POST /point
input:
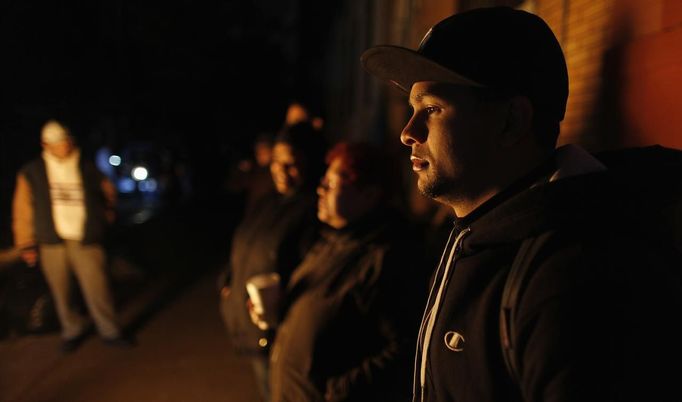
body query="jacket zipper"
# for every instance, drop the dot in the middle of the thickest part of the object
(430, 314)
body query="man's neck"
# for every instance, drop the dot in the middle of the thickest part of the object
(463, 207)
(49, 157)
(512, 184)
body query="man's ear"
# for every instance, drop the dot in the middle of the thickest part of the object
(519, 121)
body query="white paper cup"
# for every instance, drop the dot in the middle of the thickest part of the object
(264, 292)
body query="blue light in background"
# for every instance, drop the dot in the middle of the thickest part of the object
(126, 185)
(115, 160)
(147, 186)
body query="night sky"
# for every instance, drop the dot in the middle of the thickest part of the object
(202, 78)
(178, 65)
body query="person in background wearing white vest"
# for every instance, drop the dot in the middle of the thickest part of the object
(61, 209)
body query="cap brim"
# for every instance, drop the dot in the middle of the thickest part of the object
(403, 67)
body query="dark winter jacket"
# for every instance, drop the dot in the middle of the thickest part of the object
(349, 327)
(273, 237)
(597, 314)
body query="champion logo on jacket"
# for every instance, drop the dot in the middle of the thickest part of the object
(454, 341)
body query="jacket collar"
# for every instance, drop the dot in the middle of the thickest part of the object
(567, 189)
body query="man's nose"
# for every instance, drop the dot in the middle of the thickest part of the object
(413, 133)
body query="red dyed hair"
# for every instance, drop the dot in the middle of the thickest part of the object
(364, 164)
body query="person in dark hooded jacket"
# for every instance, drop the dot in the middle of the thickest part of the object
(546, 291)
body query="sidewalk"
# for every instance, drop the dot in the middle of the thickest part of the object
(182, 355)
(163, 279)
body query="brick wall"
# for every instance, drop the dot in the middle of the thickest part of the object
(625, 64)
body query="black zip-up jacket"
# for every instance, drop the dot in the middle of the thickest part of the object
(273, 237)
(597, 316)
(353, 305)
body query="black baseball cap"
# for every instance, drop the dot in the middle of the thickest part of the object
(500, 48)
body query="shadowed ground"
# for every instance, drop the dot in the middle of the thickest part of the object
(163, 274)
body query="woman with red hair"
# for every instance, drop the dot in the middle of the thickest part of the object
(349, 316)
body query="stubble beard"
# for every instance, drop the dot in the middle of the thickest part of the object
(433, 186)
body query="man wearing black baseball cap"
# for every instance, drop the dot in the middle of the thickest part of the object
(537, 296)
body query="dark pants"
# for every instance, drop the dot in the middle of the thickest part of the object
(261, 370)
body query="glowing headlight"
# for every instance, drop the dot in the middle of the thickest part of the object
(140, 173)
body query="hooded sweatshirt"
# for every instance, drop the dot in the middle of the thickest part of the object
(596, 315)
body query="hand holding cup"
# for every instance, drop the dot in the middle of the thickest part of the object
(263, 302)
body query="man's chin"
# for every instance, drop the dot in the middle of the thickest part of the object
(430, 189)
(425, 188)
